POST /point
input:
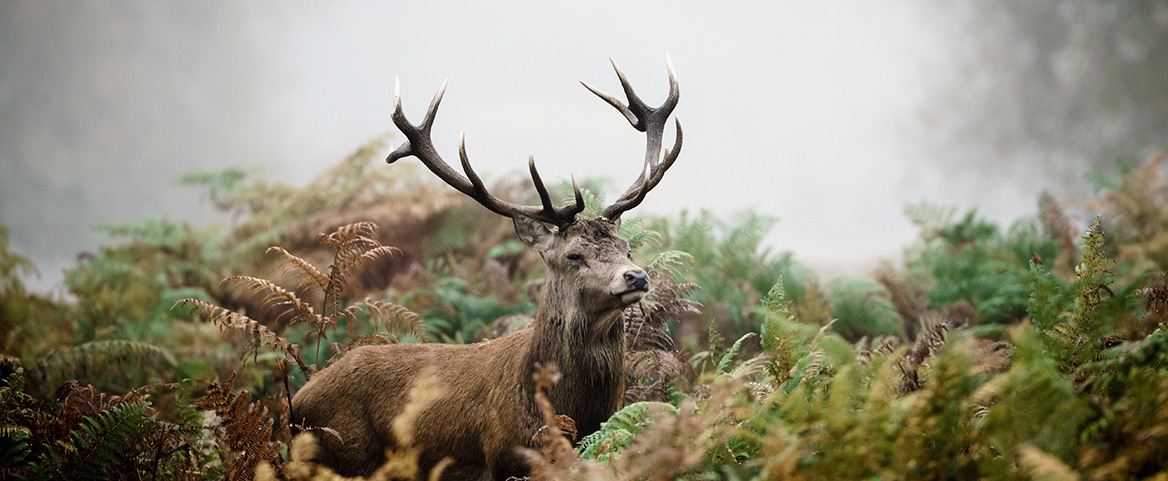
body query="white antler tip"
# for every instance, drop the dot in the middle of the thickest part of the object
(396, 91)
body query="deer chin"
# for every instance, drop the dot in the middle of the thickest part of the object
(633, 295)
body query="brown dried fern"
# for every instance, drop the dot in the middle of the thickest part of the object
(652, 362)
(244, 427)
(396, 319)
(229, 319)
(275, 297)
(308, 273)
(929, 342)
(353, 244)
(555, 455)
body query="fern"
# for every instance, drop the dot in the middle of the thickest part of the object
(1080, 336)
(618, 431)
(84, 358)
(308, 273)
(864, 308)
(777, 343)
(97, 446)
(1033, 403)
(776, 299)
(1047, 302)
(938, 409)
(930, 218)
(15, 451)
(632, 231)
(397, 320)
(729, 261)
(929, 342)
(724, 364)
(593, 198)
(352, 244)
(1104, 181)
(245, 428)
(673, 261)
(228, 319)
(1118, 363)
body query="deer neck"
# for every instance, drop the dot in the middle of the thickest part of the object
(589, 351)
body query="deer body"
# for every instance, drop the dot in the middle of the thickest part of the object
(487, 411)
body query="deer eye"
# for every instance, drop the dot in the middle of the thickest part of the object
(575, 257)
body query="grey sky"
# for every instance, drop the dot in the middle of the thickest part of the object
(807, 111)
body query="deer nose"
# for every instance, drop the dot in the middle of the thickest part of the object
(637, 279)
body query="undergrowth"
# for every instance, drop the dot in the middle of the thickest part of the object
(1033, 351)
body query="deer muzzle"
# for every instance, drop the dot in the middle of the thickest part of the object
(636, 285)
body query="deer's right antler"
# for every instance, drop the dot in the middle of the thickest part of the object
(419, 144)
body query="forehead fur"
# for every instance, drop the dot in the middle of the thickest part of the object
(595, 232)
(591, 228)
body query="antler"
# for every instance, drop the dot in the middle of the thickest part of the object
(650, 120)
(419, 144)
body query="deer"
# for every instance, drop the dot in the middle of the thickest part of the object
(487, 412)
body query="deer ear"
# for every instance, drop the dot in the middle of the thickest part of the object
(532, 233)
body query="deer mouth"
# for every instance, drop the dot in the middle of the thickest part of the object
(632, 295)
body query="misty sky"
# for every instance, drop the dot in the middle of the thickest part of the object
(807, 111)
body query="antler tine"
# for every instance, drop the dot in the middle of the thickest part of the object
(565, 215)
(419, 144)
(620, 106)
(540, 188)
(649, 179)
(650, 120)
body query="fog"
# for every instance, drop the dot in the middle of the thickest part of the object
(827, 115)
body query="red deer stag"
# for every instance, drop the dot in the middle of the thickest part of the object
(488, 409)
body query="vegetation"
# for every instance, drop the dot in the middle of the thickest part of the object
(1033, 351)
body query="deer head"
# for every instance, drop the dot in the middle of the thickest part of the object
(584, 256)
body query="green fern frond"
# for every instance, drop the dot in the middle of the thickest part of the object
(629, 227)
(593, 200)
(82, 357)
(97, 445)
(725, 364)
(930, 218)
(1120, 361)
(776, 299)
(673, 261)
(1081, 337)
(1047, 304)
(618, 431)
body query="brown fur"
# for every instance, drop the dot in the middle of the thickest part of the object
(488, 410)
